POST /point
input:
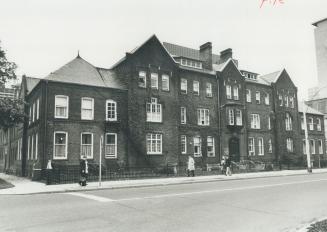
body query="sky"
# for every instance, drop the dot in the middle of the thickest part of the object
(42, 35)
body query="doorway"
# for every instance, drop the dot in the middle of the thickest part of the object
(234, 149)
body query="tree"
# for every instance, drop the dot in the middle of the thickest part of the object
(11, 110)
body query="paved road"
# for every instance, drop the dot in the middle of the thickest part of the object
(265, 204)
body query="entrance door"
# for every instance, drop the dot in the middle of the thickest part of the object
(234, 149)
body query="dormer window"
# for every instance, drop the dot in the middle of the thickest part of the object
(191, 63)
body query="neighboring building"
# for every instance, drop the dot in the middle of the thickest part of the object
(157, 105)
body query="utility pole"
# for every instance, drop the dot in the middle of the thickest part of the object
(307, 148)
(100, 160)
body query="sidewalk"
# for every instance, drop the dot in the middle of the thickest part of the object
(26, 186)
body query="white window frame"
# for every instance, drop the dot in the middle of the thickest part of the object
(33, 117)
(229, 92)
(292, 102)
(212, 153)
(208, 89)
(115, 112)
(318, 124)
(286, 101)
(92, 144)
(251, 146)
(183, 144)
(290, 145)
(267, 99)
(255, 121)
(312, 146)
(238, 117)
(153, 140)
(197, 144)
(32, 147)
(54, 145)
(153, 111)
(37, 108)
(92, 115)
(248, 95)
(320, 147)
(269, 123)
(28, 147)
(280, 98)
(67, 106)
(183, 86)
(261, 147)
(36, 155)
(203, 117)
(311, 127)
(231, 117)
(154, 80)
(142, 76)
(183, 115)
(288, 122)
(165, 79)
(30, 115)
(196, 88)
(114, 156)
(270, 148)
(257, 97)
(236, 93)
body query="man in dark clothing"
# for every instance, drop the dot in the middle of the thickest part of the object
(83, 171)
(228, 166)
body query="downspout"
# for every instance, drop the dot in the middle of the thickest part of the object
(219, 118)
(45, 120)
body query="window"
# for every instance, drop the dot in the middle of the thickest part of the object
(235, 93)
(165, 82)
(231, 117)
(183, 86)
(280, 99)
(229, 92)
(286, 101)
(111, 146)
(255, 121)
(210, 146)
(61, 106)
(302, 123)
(292, 102)
(196, 87)
(154, 80)
(183, 144)
(34, 112)
(60, 145)
(269, 146)
(238, 117)
(304, 147)
(288, 122)
(248, 95)
(87, 145)
(203, 117)
(111, 111)
(183, 115)
(320, 147)
(197, 146)
(32, 148)
(191, 63)
(257, 97)
(310, 123)
(37, 109)
(251, 147)
(260, 147)
(153, 111)
(28, 147)
(36, 146)
(289, 145)
(318, 124)
(312, 146)
(154, 144)
(87, 106)
(208, 89)
(30, 116)
(18, 149)
(142, 79)
(269, 123)
(267, 100)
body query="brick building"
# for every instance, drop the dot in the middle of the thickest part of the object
(157, 105)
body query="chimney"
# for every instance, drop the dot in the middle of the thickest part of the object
(225, 55)
(206, 55)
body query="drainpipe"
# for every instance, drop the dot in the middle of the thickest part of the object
(45, 120)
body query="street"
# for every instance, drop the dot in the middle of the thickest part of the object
(262, 204)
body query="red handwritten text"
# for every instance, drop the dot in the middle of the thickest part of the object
(271, 2)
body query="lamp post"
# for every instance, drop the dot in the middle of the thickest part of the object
(307, 148)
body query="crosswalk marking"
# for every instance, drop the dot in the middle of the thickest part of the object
(91, 197)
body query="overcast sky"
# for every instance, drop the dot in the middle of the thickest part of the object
(40, 35)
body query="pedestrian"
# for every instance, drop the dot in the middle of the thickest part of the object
(49, 172)
(228, 166)
(190, 166)
(223, 165)
(84, 170)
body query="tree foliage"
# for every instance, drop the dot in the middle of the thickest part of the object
(7, 69)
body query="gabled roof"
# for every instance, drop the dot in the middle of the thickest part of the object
(308, 109)
(31, 82)
(271, 77)
(181, 51)
(79, 71)
(319, 21)
(222, 66)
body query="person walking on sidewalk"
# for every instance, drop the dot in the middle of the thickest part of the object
(49, 172)
(190, 166)
(84, 170)
(228, 166)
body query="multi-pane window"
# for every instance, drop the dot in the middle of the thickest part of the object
(228, 92)
(255, 121)
(257, 97)
(183, 86)
(269, 123)
(154, 143)
(267, 100)
(320, 150)
(33, 112)
(61, 106)
(196, 87)
(302, 123)
(280, 99)
(142, 79)
(248, 95)
(304, 146)
(238, 116)
(30, 115)
(210, 146)
(310, 123)
(231, 118)
(318, 124)
(183, 115)
(312, 146)
(165, 82)
(87, 111)
(60, 145)
(251, 147)
(269, 146)
(286, 101)
(208, 89)
(292, 102)
(288, 122)
(154, 80)
(111, 110)
(37, 109)
(289, 144)
(260, 147)
(183, 144)
(87, 145)
(235, 92)
(197, 146)
(203, 117)
(153, 111)
(111, 146)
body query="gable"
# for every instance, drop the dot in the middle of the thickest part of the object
(285, 80)
(230, 71)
